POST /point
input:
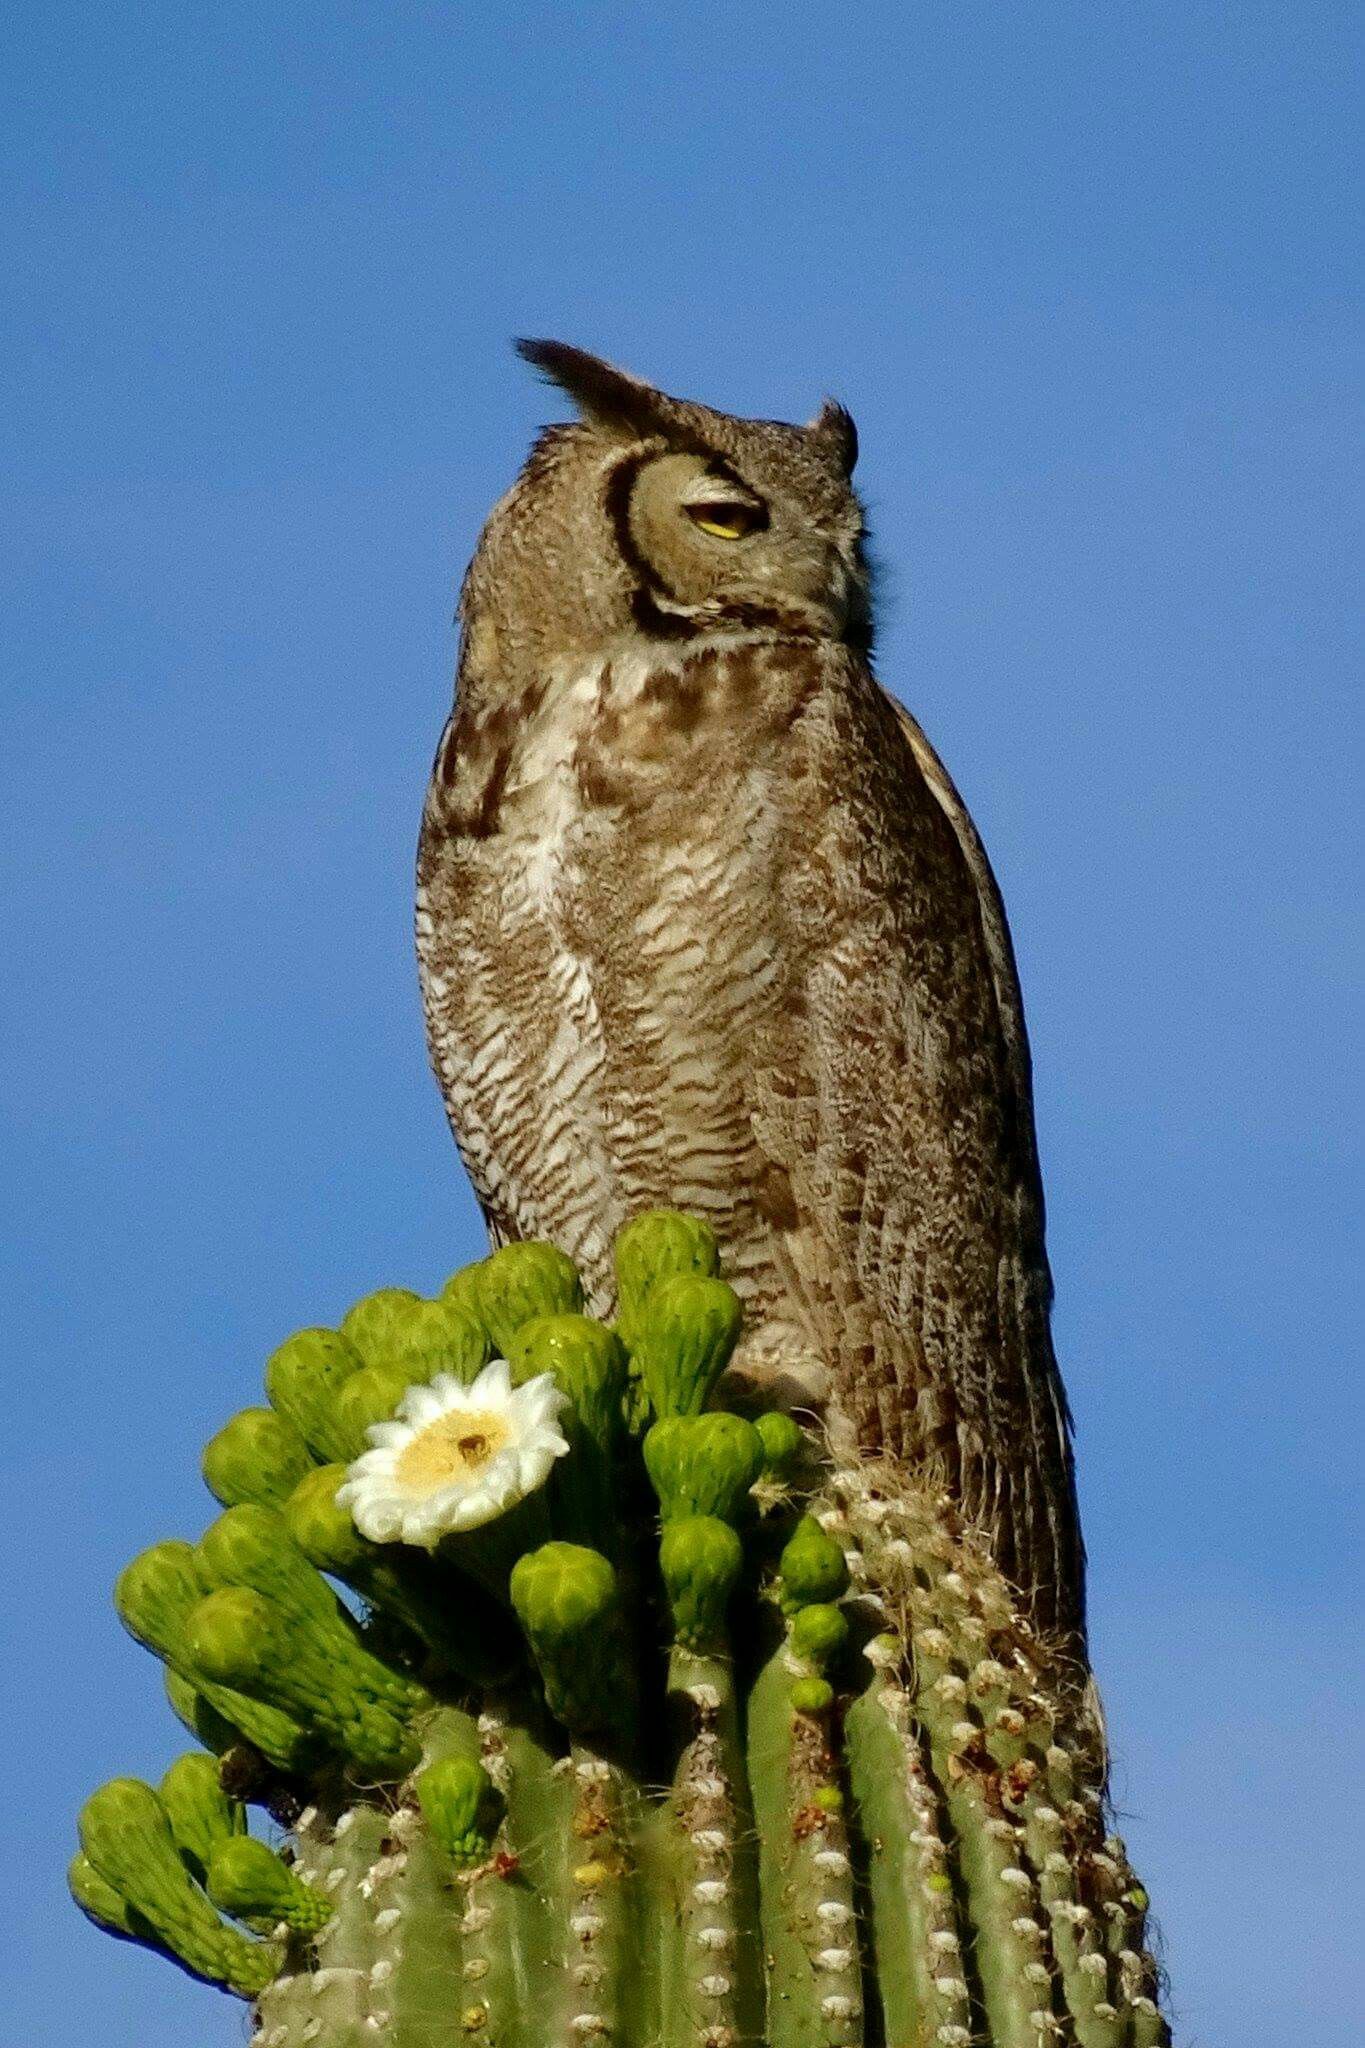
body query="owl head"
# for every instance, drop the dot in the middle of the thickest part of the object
(658, 516)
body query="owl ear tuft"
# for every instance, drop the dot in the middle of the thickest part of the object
(834, 434)
(604, 395)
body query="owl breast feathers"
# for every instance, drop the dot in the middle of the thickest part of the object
(703, 923)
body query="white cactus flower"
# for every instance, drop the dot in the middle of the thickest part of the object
(455, 1456)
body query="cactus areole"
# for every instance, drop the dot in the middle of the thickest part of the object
(587, 1711)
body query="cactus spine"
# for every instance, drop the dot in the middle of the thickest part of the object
(686, 1735)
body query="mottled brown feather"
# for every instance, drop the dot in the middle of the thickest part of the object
(703, 922)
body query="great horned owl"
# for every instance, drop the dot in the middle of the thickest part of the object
(704, 924)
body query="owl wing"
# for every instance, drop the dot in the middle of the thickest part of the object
(910, 1143)
(1041, 1487)
(995, 936)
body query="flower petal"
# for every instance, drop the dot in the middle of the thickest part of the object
(493, 1386)
(389, 1510)
(419, 1406)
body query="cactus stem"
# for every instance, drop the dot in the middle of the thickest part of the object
(492, 1970)
(597, 1897)
(916, 1935)
(721, 1997)
(332, 1999)
(415, 1978)
(506, 1899)
(494, 1986)
(1014, 1977)
(1075, 1935)
(805, 1873)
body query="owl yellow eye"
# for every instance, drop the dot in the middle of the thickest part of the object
(727, 518)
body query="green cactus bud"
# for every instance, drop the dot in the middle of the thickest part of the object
(586, 1358)
(376, 1324)
(248, 1880)
(395, 1329)
(257, 1456)
(370, 1396)
(195, 1714)
(330, 1684)
(461, 1290)
(127, 1837)
(523, 1281)
(812, 1568)
(567, 1600)
(108, 1908)
(154, 1597)
(443, 1336)
(703, 1464)
(303, 1379)
(154, 1593)
(782, 1438)
(222, 1626)
(812, 1695)
(688, 1328)
(462, 1809)
(828, 1799)
(325, 1533)
(588, 1361)
(198, 1809)
(373, 1394)
(819, 1634)
(654, 1247)
(252, 1546)
(700, 1558)
(398, 1341)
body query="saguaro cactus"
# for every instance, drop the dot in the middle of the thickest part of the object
(593, 1711)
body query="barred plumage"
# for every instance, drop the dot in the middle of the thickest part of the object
(702, 922)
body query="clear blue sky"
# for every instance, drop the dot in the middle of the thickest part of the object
(1080, 272)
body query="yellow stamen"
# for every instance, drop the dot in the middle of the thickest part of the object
(455, 1446)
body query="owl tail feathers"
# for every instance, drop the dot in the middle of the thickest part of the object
(745, 1723)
